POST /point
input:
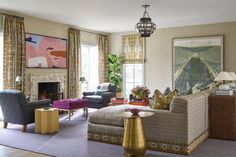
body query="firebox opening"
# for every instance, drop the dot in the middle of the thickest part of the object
(49, 90)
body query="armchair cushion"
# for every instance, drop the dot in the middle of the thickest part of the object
(39, 103)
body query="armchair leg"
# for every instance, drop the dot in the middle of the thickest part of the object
(24, 128)
(5, 125)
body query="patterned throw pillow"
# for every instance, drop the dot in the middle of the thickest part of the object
(161, 101)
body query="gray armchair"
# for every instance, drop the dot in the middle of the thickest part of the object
(16, 109)
(101, 97)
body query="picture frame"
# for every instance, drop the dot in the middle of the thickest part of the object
(45, 51)
(196, 61)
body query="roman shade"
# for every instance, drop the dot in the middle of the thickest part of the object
(132, 49)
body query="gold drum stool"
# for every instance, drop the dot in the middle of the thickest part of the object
(134, 141)
(46, 120)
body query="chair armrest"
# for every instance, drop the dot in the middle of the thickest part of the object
(88, 93)
(107, 95)
(39, 103)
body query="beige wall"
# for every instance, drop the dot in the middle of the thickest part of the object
(159, 50)
(54, 29)
(44, 27)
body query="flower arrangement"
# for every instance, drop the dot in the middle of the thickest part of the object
(140, 92)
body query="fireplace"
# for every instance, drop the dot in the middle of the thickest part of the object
(32, 83)
(49, 90)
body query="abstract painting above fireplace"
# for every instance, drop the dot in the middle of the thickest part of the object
(45, 51)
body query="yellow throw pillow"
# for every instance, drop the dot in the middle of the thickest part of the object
(161, 101)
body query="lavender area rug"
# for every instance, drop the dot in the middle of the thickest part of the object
(71, 141)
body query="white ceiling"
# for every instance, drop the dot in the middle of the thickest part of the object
(122, 15)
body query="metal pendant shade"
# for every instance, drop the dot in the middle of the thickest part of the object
(145, 26)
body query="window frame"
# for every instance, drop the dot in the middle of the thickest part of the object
(89, 47)
(124, 76)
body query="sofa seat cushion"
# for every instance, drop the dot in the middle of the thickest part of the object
(108, 115)
(94, 98)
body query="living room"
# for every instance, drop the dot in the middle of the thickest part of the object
(86, 33)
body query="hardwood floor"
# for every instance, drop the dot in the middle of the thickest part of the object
(14, 152)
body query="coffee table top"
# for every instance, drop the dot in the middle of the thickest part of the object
(131, 115)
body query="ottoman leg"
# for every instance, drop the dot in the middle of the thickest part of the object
(69, 115)
(5, 125)
(86, 112)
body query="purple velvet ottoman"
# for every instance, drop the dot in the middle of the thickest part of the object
(70, 105)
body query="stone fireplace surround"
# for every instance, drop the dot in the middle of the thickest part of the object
(35, 78)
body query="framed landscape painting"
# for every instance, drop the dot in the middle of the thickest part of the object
(45, 52)
(196, 62)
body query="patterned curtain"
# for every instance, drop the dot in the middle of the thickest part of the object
(73, 62)
(14, 52)
(132, 49)
(103, 58)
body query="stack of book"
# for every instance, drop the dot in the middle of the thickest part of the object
(234, 89)
(119, 101)
(225, 92)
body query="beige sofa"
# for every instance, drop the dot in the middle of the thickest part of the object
(179, 130)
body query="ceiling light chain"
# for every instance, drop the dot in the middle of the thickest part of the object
(145, 26)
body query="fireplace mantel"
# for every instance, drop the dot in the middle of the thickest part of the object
(34, 79)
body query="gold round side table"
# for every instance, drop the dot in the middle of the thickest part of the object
(134, 141)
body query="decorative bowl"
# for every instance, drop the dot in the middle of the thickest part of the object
(135, 111)
(46, 108)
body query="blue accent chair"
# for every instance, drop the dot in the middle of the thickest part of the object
(17, 109)
(99, 99)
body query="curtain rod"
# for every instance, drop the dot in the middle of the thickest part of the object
(92, 33)
(70, 27)
(11, 15)
(89, 32)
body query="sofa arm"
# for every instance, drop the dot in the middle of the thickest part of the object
(88, 93)
(39, 103)
(166, 126)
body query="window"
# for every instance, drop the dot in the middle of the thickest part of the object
(89, 69)
(133, 76)
(1, 60)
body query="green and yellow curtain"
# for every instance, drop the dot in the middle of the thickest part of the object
(14, 52)
(103, 51)
(73, 62)
(132, 49)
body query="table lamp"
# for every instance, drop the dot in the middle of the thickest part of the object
(233, 76)
(223, 76)
(82, 79)
(19, 80)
